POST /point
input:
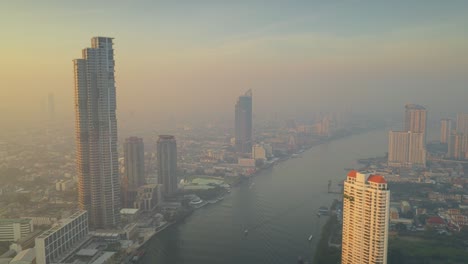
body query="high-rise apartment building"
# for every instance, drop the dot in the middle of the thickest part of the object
(445, 130)
(243, 123)
(96, 134)
(167, 164)
(458, 146)
(462, 123)
(366, 204)
(406, 149)
(416, 119)
(134, 170)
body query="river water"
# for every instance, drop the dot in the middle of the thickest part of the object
(279, 210)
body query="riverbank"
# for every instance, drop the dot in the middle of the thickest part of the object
(279, 212)
(326, 250)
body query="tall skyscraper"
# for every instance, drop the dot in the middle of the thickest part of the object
(167, 164)
(445, 130)
(462, 123)
(243, 123)
(366, 204)
(134, 173)
(406, 149)
(416, 119)
(96, 134)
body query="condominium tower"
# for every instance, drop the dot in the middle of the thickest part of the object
(462, 123)
(445, 130)
(167, 164)
(243, 123)
(366, 203)
(406, 149)
(96, 134)
(458, 146)
(415, 119)
(134, 170)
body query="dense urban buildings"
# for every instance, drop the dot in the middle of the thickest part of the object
(167, 164)
(445, 130)
(366, 202)
(416, 119)
(96, 134)
(243, 123)
(134, 170)
(406, 149)
(462, 123)
(60, 239)
(15, 229)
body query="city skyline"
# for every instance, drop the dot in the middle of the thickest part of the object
(227, 179)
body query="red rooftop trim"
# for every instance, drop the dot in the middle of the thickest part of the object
(352, 174)
(376, 179)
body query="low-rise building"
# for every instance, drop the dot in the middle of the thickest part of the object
(64, 185)
(258, 152)
(129, 215)
(394, 215)
(14, 229)
(149, 196)
(405, 207)
(60, 239)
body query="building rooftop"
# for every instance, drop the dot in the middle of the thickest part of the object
(5, 221)
(103, 258)
(61, 223)
(376, 179)
(166, 137)
(352, 174)
(129, 211)
(25, 256)
(87, 252)
(415, 106)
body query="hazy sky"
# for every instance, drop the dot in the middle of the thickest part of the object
(192, 58)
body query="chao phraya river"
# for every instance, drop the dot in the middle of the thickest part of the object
(279, 210)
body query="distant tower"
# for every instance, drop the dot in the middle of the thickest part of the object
(167, 164)
(366, 204)
(416, 119)
(462, 123)
(51, 106)
(406, 149)
(96, 135)
(445, 130)
(243, 123)
(458, 146)
(134, 174)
